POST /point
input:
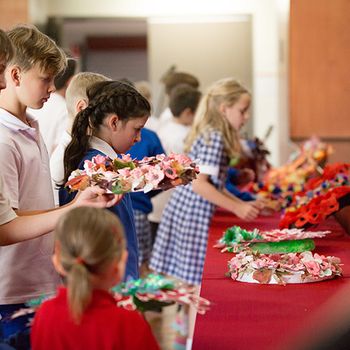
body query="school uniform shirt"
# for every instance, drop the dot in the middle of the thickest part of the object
(7, 214)
(123, 209)
(26, 268)
(52, 119)
(181, 241)
(57, 164)
(103, 326)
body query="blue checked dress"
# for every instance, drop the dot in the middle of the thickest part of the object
(181, 241)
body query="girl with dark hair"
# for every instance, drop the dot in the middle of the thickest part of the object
(108, 126)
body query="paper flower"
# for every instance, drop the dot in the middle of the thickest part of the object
(236, 239)
(283, 268)
(123, 174)
(151, 293)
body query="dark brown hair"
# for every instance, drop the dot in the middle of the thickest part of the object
(105, 98)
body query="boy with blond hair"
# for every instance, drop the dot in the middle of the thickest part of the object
(26, 270)
(76, 100)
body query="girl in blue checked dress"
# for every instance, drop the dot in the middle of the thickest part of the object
(181, 241)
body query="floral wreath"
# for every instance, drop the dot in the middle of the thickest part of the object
(282, 269)
(150, 293)
(121, 175)
(321, 197)
(236, 239)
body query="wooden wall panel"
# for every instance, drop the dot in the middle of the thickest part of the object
(13, 12)
(320, 69)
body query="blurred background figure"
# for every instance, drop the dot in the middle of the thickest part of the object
(144, 88)
(171, 80)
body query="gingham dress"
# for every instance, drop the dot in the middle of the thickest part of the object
(144, 236)
(181, 241)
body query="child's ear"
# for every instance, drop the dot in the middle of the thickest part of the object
(120, 265)
(81, 105)
(222, 109)
(15, 74)
(56, 261)
(113, 122)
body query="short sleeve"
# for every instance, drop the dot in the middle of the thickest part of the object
(208, 153)
(9, 172)
(6, 212)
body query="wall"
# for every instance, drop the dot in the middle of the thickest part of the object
(319, 73)
(13, 12)
(211, 48)
(268, 46)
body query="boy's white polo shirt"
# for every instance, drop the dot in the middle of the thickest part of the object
(6, 212)
(26, 269)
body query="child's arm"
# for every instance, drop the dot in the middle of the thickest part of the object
(244, 210)
(30, 225)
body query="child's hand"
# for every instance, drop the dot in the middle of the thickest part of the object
(245, 176)
(97, 197)
(247, 210)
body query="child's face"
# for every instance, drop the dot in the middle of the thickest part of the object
(2, 73)
(127, 134)
(34, 86)
(237, 114)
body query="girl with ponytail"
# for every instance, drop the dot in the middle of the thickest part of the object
(109, 125)
(90, 254)
(181, 240)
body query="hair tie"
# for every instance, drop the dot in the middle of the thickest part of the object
(79, 260)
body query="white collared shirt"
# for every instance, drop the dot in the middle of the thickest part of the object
(103, 147)
(26, 269)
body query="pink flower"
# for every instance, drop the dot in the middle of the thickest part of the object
(99, 159)
(89, 167)
(312, 267)
(170, 173)
(154, 176)
(126, 157)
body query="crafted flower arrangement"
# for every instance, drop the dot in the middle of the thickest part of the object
(121, 175)
(282, 269)
(236, 239)
(156, 291)
(322, 196)
(150, 293)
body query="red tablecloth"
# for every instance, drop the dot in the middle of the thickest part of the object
(252, 316)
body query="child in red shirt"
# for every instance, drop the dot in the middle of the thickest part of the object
(90, 253)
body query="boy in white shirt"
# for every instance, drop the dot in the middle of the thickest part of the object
(26, 270)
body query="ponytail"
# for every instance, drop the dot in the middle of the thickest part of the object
(89, 240)
(79, 144)
(79, 289)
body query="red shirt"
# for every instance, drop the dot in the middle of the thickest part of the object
(104, 326)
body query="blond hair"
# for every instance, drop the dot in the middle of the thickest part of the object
(144, 88)
(6, 49)
(88, 240)
(33, 47)
(208, 116)
(77, 88)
